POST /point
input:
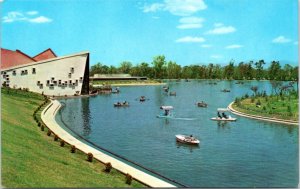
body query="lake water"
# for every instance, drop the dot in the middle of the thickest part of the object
(245, 153)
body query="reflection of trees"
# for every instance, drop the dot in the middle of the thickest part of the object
(85, 105)
(187, 146)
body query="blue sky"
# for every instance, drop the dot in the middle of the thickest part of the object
(185, 31)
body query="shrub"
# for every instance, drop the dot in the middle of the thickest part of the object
(252, 100)
(90, 157)
(42, 127)
(289, 110)
(108, 167)
(39, 124)
(62, 143)
(264, 108)
(258, 103)
(49, 132)
(246, 95)
(55, 137)
(73, 149)
(128, 179)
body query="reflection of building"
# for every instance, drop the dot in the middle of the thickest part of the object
(46, 73)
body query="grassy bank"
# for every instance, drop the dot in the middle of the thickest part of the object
(274, 106)
(32, 159)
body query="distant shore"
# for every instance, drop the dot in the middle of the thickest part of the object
(129, 84)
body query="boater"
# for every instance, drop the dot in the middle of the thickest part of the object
(219, 115)
(224, 115)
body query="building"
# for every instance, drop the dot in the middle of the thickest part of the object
(103, 77)
(46, 73)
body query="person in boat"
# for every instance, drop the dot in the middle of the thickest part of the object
(119, 103)
(224, 115)
(125, 102)
(219, 116)
(166, 112)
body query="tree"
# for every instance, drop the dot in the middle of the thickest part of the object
(274, 70)
(99, 69)
(229, 70)
(125, 67)
(159, 66)
(259, 69)
(254, 89)
(173, 70)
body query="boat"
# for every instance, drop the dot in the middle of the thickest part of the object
(116, 90)
(187, 139)
(225, 90)
(223, 117)
(167, 112)
(202, 104)
(121, 104)
(166, 88)
(142, 98)
(172, 93)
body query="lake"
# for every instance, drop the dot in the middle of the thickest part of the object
(245, 153)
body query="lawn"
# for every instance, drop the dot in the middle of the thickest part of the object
(275, 106)
(31, 159)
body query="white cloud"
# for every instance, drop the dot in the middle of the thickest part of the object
(177, 7)
(32, 12)
(218, 24)
(281, 39)
(153, 8)
(235, 46)
(40, 19)
(189, 39)
(206, 46)
(216, 56)
(15, 16)
(220, 29)
(189, 26)
(190, 22)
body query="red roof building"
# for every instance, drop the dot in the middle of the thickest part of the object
(45, 55)
(11, 58)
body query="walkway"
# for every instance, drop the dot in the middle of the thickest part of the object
(261, 117)
(48, 117)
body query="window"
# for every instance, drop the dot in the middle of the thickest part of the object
(59, 81)
(7, 78)
(14, 72)
(80, 78)
(66, 82)
(76, 81)
(33, 70)
(48, 82)
(51, 85)
(70, 81)
(38, 82)
(72, 69)
(70, 74)
(52, 78)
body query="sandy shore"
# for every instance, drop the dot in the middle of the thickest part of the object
(289, 122)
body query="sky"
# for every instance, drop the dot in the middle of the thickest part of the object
(185, 31)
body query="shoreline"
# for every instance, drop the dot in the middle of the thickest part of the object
(48, 117)
(129, 84)
(274, 120)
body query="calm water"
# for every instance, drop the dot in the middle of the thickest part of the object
(246, 153)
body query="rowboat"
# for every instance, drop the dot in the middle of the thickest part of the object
(187, 139)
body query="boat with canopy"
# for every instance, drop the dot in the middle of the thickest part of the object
(222, 115)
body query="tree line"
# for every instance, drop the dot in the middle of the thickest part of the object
(160, 68)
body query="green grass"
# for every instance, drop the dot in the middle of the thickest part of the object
(109, 82)
(32, 159)
(285, 107)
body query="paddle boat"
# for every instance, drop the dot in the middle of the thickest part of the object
(222, 116)
(172, 93)
(166, 88)
(121, 104)
(201, 104)
(225, 90)
(142, 98)
(187, 139)
(167, 112)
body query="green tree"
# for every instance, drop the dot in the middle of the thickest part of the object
(229, 70)
(125, 67)
(259, 69)
(274, 70)
(173, 70)
(159, 63)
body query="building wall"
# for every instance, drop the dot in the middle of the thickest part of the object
(50, 76)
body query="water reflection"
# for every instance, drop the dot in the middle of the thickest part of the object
(86, 115)
(191, 148)
(223, 125)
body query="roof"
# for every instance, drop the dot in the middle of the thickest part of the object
(166, 107)
(223, 110)
(14, 58)
(48, 53)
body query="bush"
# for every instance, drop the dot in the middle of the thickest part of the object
(264, 108)
(252, 100)
(289, 110)
(49, 133)
(55, 137)
(73, 149)
(39, 124)
(90, 157)
(246, 95)
(128, 179)
(258, 103)
(108, 167)
(62, 143)
(42, 127)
